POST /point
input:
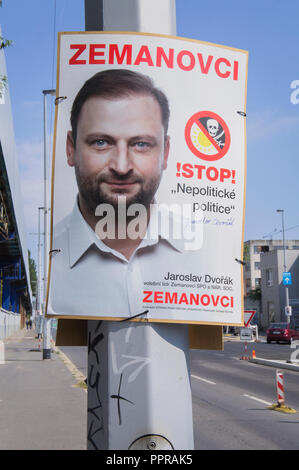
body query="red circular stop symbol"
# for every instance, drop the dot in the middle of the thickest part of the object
(207, 136)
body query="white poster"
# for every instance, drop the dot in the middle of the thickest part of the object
(148, 180)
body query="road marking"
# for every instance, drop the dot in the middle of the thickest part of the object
(257, 399)
(203, 380)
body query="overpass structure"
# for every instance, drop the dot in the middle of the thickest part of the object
(15, 291)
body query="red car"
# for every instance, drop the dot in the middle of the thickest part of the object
(281, 332)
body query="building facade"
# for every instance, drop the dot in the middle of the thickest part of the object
(252, 257)
(272, 289)
(15, 291)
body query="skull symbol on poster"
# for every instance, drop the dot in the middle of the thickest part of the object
(215, 131)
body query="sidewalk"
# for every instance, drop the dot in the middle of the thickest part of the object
(40, 406)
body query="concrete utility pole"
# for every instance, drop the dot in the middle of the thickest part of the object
(39, 280)
(46, 321)
(139, 393)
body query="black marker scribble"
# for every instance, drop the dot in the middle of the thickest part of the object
(98, 326)
(92, 411)
(119, 397)
(91, 434)
(96, 420)
(92, 344)
(95, 384)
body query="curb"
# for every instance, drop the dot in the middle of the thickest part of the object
(277, 364)
(72, 368)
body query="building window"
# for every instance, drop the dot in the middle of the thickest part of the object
(257, 265)
(257, 249)
(269, 277)
(258, 282)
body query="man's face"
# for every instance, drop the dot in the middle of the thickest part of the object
(121, 150)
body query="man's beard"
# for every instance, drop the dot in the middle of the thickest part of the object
(90, 189)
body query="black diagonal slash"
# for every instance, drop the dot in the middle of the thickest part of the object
(91, 433)
(119, 397)
(93, 412)
(92, 344)
(95, 384)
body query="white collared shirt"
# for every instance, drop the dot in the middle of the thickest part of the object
(89, 279)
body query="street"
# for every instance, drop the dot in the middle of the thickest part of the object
(231, 398)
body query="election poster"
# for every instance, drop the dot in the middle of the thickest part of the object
(148, 179)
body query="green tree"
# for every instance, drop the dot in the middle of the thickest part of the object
(255, 294)
(33, 274)
(246, 253)
(3, 43)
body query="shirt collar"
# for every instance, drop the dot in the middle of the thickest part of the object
(164, 225)
(81, 236)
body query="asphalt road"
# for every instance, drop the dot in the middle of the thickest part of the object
(231, 398)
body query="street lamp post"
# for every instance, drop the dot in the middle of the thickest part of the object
(284, 262)
(47, 322)
(39, 278)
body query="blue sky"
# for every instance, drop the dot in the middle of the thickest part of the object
(268, 29)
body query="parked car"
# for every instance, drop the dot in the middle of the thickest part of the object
(281, 332)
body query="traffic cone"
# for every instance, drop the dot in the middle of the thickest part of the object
(253, 354)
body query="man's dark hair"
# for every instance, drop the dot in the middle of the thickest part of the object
(116, 83)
